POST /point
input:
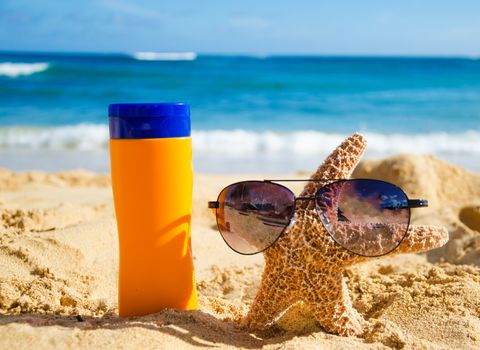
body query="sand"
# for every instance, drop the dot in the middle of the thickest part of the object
(58, 275)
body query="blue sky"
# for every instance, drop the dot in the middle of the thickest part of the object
(421, 27)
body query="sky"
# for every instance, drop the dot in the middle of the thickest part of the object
(340, 27)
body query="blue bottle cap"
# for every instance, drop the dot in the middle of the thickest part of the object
(148, 120)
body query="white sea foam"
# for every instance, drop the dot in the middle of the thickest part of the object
(14, 70)
(165, 56)
(310, 143)
(246, 143)
(77, 137)
(86, 146)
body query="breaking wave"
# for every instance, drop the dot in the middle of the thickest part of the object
(14, 70)
(164, 56)
(241, 151)
(247, 143)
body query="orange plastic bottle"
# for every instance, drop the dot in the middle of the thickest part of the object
(151, 167)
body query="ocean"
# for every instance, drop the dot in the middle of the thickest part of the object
(270, 114)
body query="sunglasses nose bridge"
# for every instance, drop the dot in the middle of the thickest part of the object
(309, 198)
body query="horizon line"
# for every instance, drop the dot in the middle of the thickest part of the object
(243, 54)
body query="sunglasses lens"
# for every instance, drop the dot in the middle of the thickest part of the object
(252, 214)
(366, 217)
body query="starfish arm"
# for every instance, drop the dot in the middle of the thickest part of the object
(274, 296)
(332, 307)
(422, 238)
(339, 164)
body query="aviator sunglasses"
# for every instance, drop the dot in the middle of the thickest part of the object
(365, 216)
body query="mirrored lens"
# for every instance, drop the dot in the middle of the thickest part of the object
(252, 214)
(367, 217)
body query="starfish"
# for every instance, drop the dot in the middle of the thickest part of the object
(306, 264)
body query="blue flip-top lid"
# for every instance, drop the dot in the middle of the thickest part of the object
(148, 120)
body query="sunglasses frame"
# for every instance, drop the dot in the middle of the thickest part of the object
(411, 203)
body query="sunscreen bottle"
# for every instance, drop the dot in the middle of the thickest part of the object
(152, 178)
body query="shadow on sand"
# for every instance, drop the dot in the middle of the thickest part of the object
(196, 328)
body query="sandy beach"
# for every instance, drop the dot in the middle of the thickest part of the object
(59, 256)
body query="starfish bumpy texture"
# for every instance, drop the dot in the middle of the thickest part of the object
(306, 264)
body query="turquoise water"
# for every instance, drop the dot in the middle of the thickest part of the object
(278, 109)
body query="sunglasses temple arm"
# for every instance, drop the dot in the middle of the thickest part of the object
(417, 203)
(213, 205)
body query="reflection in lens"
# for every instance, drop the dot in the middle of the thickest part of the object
(367, 217)
(253, 214)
